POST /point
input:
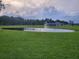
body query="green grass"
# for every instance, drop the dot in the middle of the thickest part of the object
(23, 26)
(67, 27)
(36, 45)
(41, 26)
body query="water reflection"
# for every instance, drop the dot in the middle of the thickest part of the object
(13, 28)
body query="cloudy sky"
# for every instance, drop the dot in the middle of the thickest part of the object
(56, 9)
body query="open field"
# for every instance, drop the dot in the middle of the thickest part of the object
(31, 45)
(36, 45)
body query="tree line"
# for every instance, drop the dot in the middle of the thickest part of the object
(6, 20)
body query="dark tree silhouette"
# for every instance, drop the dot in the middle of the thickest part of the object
(1, 5)
(71, 22)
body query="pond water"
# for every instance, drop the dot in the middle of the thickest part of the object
(41, 29)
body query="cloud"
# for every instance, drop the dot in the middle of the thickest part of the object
(41, 8)
(14, 3)
(69, 6)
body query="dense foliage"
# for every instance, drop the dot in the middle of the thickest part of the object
(6, 20)
(2, 6)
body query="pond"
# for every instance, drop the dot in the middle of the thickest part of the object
(41, 29)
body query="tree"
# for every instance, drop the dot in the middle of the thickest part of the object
(71, 22)
(1, 5)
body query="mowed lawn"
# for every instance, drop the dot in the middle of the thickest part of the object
(42, 26)
(38, 45)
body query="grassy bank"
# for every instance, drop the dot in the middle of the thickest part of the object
(36, 45)
(23, 26)
(67, 27)
(41, 26)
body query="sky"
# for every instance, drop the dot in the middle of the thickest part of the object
(37, 9)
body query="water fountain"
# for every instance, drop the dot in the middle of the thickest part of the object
(43, 29)
(45, 25)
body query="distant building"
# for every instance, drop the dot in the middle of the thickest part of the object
(55, 24)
